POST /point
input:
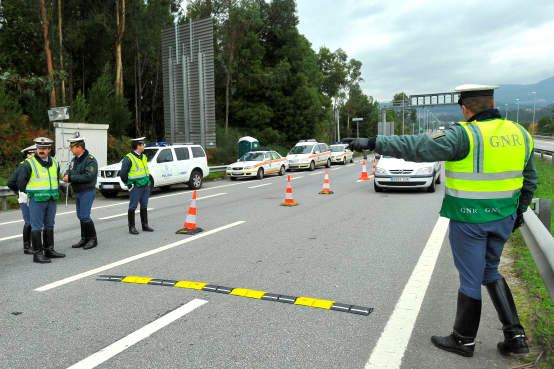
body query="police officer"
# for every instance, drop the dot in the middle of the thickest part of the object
(490, 181)
(134, 173)
(22, 200)
(38, 178)
(82, 175)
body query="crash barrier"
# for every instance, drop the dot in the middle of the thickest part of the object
(539, 240)
(218, 168)
(241, 292)
(4, 193)
(544, 150)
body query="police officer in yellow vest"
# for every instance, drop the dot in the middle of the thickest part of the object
(490, 181)
(39, 178)
(134, 173)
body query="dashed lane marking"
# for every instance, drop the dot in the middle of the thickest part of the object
(119, 346)
(241, 292)
(90, 272)
(11, 237)
(262, 185)
(121, 215)
(297, 177)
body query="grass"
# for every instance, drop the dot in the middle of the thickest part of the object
(533, 301)
(213, 176)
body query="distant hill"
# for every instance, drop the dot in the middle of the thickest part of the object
(507, 94)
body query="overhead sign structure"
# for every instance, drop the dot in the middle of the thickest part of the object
(189, 83)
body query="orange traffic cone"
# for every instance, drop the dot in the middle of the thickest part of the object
(289, 200)
(364, 176)
(374, 168)
(326, 190)
(189, 227)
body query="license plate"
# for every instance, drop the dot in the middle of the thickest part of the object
(108, 186)
(238, 173)
(400, 179)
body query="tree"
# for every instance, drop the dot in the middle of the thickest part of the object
(47, 51)
(120, 31)
(60, 46)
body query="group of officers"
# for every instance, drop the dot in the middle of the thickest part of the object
(36, 182)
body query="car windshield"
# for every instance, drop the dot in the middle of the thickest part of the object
(301, 149)
(337, 148)
(252, 156)
(150, 153)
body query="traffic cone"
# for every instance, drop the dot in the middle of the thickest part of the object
(326, 190)
(289, 200)
(364, 176)
(189, 227)
(374, 168)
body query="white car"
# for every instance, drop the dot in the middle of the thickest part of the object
(258, 164)
(168, 165)
(393, 173)
(341, 154)
(309, 154)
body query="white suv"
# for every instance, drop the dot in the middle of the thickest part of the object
(168, 164)
(308, 154)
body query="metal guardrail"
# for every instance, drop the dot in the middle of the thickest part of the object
(539, 240)
(4, 193)
(218, 168)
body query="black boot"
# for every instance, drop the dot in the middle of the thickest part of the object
(131, 221)
(27, 239)
(49, 245)
(462, 339)
(90, 232)
(144, 220)
(38, 255)
(83, 239)
(515, 341)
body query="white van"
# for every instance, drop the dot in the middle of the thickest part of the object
(168, 165)
(309, 154)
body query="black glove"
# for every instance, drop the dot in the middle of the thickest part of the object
(363, 144)
(519, 222)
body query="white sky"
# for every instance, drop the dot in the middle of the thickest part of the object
(420, 46)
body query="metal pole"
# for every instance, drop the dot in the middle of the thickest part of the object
(357, 129)
(403, 114)
(506, 105)
(517, 116)
(534, 104)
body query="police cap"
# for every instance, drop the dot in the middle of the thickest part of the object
(29, 149)
(43, 142)
(76, 139)
(139, 140)
(474, 90)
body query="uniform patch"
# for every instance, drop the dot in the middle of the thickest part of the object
(438, 135)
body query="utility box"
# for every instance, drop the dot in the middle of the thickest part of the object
(96, 141)
(247, 144)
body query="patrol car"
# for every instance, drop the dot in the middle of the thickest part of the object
(309, 154)
(393, 173)
(168, 165)
(257, 164)
(341, 154)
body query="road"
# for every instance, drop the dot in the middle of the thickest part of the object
(356, 247)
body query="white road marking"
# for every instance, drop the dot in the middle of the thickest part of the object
(10, 237)
(297, 177)
(76, 277)
(210, 196)
(315, 174)
(390, 348)
(121, 215)
(265, 184)
(119, 346)
(337, 168)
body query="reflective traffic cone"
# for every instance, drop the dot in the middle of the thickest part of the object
(364, 176)
(326, 190)
(289, 200)
(374, 168)
(189, 227)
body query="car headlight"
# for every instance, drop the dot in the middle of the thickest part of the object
(425, 170)
(380, 171)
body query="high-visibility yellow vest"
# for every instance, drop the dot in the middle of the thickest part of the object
(486, 184)
(138, 174)
(43, 183)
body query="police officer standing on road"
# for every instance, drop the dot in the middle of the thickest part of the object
(82, 175)
(490, 181)
(38, 178)
(23, 200)
(134, 173)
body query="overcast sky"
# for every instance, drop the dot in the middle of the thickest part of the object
(421, 46)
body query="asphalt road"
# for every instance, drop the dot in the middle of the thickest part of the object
(355, 247)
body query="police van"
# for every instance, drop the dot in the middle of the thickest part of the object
(309, 154)
(168, 165)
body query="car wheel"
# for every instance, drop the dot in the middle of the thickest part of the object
(438, 179)
(108, 194)
(377, 188)
(328, 165)
(282, 170)
(233, 178)
(195, 180)
(260, 174)
(344, 161)
(351, 160)
(312, 166)
(432, 187)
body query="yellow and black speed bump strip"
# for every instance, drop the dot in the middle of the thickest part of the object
(243, 292)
